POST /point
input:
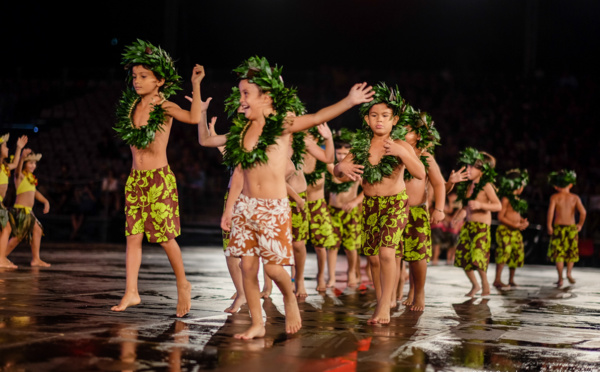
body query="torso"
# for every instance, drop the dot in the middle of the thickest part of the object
(479, 215)
(3, 179)
(155, 155)
(564, 213)
(343, 198)
(390, 185)
(511, 215)
(27, 198)
(316, 191)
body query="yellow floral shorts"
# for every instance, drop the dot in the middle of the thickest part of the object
(263, 228)
(152, 204)
(299, 220)
(320, 227)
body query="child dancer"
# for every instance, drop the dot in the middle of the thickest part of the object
(5, 216)
(509, 240)
(26, 225)
(379, 156)
(144, 121)
(561, 224)
(479, 200)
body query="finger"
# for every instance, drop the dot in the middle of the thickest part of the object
(189, 98)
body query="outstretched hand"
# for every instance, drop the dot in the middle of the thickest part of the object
(203, 105)
(211, 126)
(26, 152)
(458, 176)
(350, 170)
(324, 131)
(22, 141)
(360, 93)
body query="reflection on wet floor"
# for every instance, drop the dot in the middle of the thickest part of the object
(59, 319)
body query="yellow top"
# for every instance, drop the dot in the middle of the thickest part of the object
(4, 174)
(26, 184)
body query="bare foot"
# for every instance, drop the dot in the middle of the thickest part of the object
(233, 296)
(293, 321)
(473, 290)
(321, 286)
(419, 303)
(265, 293)
(7, 264)
(485, 291)
(512, 284)
(571, 280)
(129, 299)
(352, 281)
(380, 317)
(300, 289)
(235, 306)
(184, 299)
(39, 263)
(408, 301)
(253, 332)
(331, 283)
(501, 285)
(559, 283)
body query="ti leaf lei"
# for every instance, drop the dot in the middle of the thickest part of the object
(317, 174)
(335, 187)
(514, 180)
(236, 154)
(143, 136)
(423, 158)
(519, 205)
(360, 151)
(462, 188)
(298, 149)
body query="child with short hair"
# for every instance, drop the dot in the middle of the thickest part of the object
(259, 143)
(26, 225)
(5, 216)
(563, 231)
(479, 200)
(380, 156)
(144, 121)
(509, 240)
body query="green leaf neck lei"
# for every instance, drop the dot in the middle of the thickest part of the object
(317, 174)
(334, 187)
(298, 149)
(360, 151)
(463, 187)
(236, 154)
(423, 158)
(519, 205)
(143, 136)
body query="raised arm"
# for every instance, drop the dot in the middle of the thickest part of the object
(213, 133)
(456, 177)
(19, 169)
(326, 155)
(21, 142)
(360, 93)
(193, 116)
(205, 132)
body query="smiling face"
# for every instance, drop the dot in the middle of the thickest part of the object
(254, 103)
(144, 81)
(381, 119)
(30, 166)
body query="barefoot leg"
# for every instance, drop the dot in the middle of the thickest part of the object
(418, 270)
(250, 266)
(35, 247)
(511, 278)
(332, 255)
(475, 287)
(569, 270)
(233, 265)
(321, 262)
(387, 264)
(4, 236)
(559, 270)
(184, 288)
(353, 274)
(133, 260)
(293, 321)
(267, 286)
(300, 259)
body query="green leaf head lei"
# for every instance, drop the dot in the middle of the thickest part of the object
(482, 161)
(513, 180)
(232, 103)
(424, 127)
(384, 94)
(343, 137)
(161, 64)
(562, 178)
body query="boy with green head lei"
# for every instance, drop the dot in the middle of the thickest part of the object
(258, 143)
(144, 121)
(479, 200)
(416, 240)
(344, 208)
(6, 218)
(379, 156)
(510, 250)
(564, 238)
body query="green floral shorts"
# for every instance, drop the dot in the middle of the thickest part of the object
(416, 240)
(564, 244)
(152, 204)
(384, 220)
(299, 220)
(225, 234)
(510, 249)
(319, 225)
(473, 250)
(346, 227)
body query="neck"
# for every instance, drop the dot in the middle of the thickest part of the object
(153, 97)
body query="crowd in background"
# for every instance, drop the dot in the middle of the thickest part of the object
(542, 123)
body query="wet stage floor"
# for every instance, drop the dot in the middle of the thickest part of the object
(59, 319)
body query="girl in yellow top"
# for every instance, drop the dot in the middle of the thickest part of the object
(5, 216)
(26, 224)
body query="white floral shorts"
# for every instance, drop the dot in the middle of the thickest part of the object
(262, 227)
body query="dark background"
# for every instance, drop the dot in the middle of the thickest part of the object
(515, 78)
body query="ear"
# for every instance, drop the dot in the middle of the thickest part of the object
(161, 82)
(266, 96)
(366, 118)
(395, 120)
